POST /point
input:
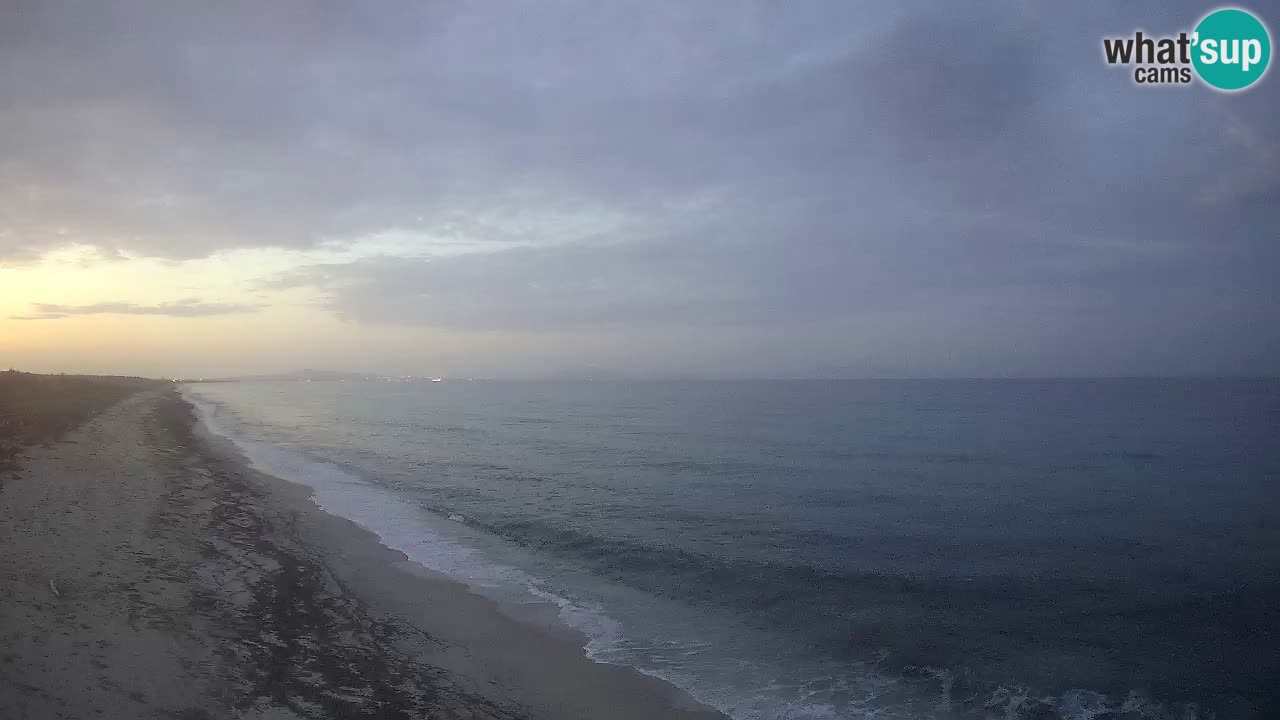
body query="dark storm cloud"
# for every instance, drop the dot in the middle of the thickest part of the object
(760, 165)
(185, 308)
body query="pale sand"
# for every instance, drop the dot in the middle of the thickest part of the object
(188, 586)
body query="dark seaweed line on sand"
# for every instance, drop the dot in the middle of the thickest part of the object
(289, 633)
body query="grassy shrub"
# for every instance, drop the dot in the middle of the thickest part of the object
(40, 408)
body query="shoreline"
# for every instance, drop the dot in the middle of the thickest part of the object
(190, 584)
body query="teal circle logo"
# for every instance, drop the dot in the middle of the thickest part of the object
(1232, 49)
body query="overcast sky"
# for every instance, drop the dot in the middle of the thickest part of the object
(704, 188)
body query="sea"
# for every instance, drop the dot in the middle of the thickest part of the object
(1021, 549)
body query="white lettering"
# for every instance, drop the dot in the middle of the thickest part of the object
(1209, 51)
(1232, 57)
(1252, 54)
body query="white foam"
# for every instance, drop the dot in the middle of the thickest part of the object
(858, 692)
(1082, 705)
(403, 526)
(603, 632)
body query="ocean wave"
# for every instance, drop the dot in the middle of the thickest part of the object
(400, 525)
(850, 619)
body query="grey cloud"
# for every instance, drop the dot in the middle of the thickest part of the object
(950, 78)
(185, 308)
(683, 279)
(763, 164)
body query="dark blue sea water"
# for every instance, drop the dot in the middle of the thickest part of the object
(890, 549)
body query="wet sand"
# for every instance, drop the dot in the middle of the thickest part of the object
(150, 573)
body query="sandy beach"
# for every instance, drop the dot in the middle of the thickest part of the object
(148, 572)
